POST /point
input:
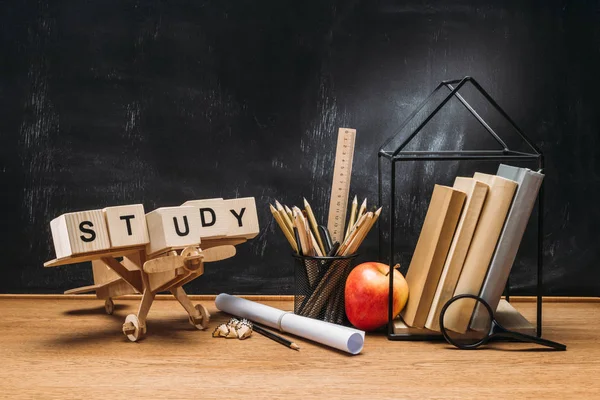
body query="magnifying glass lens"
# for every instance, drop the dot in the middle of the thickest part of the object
(466, 322)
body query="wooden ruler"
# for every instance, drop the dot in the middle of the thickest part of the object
(340, 187)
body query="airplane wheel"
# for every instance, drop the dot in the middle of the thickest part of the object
(109, 306)
(131, 328)
(202, 322)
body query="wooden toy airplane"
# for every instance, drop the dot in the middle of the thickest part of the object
(133, 252)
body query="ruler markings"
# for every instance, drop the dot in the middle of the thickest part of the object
(340, 187)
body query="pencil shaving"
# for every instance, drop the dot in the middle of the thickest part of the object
(234, 328)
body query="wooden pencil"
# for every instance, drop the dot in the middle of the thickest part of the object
(363, 208)
(352, 218)
(288, 212)
(284, 216)
(360, 235)
(353, 233)
(288, 234)
(314, 225)
(371, 222)
(299, 224)
(275, 337)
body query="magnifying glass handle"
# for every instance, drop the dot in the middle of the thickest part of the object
(533, 339)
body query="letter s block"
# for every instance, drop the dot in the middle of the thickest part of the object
(242, 217)
(126, 225)
(79, 232)
(172, 227)
(214, 222)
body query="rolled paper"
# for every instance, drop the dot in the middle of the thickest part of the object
(337, 336)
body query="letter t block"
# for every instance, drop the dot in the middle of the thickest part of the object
(126, 225)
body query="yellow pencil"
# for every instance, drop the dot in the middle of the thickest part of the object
(357, 226)
(284, 229)
(352, 219)
(360, 235)
(314, 225)
(289, 212)
(284, 216)
(362, 209)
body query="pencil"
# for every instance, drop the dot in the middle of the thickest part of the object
(284, 217)
(284, 229)
(352, 219)
(360, 235)
(362, 209)
(314, 225)
(357, 225)
(275, 337)
(288, 212)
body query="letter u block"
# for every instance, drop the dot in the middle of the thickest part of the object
(172, 227)
(79, 232)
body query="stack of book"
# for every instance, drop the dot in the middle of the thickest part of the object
(468, 244)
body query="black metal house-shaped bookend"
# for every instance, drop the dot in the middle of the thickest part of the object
(395, 150)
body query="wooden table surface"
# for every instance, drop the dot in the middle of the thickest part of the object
(58, 348)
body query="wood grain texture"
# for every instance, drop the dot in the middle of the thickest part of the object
(76, 351)
(242, 217)
(126, 225)
(172, 227)
(79, 232)
(213, 215)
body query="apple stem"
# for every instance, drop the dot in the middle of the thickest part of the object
(395, 267)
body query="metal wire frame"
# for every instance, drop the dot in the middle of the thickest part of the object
(453, 86)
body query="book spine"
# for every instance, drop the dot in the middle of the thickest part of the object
(512, 233)
(482, 247)
(476, 192)
(430, 252)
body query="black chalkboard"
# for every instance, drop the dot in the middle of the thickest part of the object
(119, 102)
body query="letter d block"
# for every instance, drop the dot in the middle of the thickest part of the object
(214, 222)
(242, 217)
(126, 225)
(79, 232)
(172, 227)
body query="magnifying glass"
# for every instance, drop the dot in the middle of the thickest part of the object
(467, 321)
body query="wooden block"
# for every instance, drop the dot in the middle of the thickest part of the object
(242, 216)
(126, 225)
(214, 221)
(172, 227)
(79, 232)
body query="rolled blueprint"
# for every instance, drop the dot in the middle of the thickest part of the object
(336, 336)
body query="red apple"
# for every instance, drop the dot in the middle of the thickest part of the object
(366, 295)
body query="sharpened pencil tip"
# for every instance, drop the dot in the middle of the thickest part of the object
(295, 346)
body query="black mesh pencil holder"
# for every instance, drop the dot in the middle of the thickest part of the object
(319, 284)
